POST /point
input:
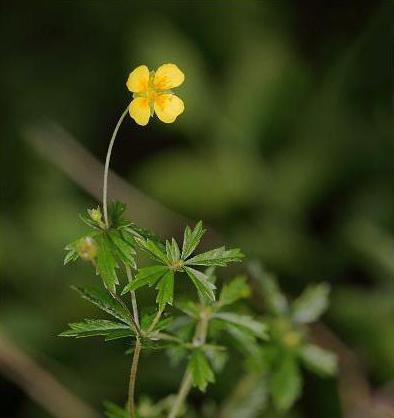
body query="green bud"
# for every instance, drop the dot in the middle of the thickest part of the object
(95, 214)
(87, 249)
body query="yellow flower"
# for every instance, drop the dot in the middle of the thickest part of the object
(152, 93)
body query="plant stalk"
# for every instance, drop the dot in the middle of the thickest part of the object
(155, 320)
(133, 375)
(200, 337)
(133, 297)
(106, 167)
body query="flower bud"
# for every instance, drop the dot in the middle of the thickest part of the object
(87, 249)
(95, 214)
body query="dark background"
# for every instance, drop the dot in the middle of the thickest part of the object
(285, 148)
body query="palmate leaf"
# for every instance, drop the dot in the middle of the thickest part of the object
(318, 360)
(153, 249)
(116, 210)
(166, 290)
(70, 256)
(257, 328)
(191, 239)
(233, 291)
(145, 276)
(136, 231)
(274, 298)
(105, 302)
(96, 327)
(286, 383)
(106, 263)
(189, 308)
(123, 249)
(172, 250)
(244, 339)
(200, 370)
(204, 287)
(310, 305)
(217, 257)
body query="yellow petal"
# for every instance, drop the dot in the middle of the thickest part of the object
(138, 80)
(167, 77)
(168, 107)
(139, 110)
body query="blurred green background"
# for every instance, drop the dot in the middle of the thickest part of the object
(285, 148)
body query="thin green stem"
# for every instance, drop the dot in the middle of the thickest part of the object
(133, 297)
(155, 321)
(133, 375)
(106, 167)
(183, 391)
(135, 326)
(200, 337)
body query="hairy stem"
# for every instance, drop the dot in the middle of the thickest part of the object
(106, 167)
(133, 375)
(133, 297)
(155, 321)
(135, 326)
(200, 337)
(183, 391)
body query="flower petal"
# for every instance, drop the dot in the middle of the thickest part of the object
(167, 77)
(139, 110)
(138, 80)
(168, 107)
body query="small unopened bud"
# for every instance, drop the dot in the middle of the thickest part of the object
(87, 249)
(95, 214)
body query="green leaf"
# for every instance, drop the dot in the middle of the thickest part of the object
(318, 360)
(310, 305)
(105, 302)
(253, 403)
(233, 291)
(90, 222)
(147, 319)
(71, 256)
(200, 370)
(136, 231)
(95, 327)
(191, 239)
(106, 263)
(145, 276)
(217, 257)
(115, 214)
(120, 333)
(245, 340)
(152, 249)
(72, 251)
(257, 328)
(172, 250)
(114, 411)
(286, 383)
(166, 290)
(274, 298)
(204, 287)
(189, 308)
(123, 249)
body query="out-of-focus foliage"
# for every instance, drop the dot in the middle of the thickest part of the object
(287, 141)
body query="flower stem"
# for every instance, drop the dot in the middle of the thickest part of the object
(106, 167)
(200, 337)
(133, 375)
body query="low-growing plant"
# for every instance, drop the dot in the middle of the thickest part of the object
(192, 328)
